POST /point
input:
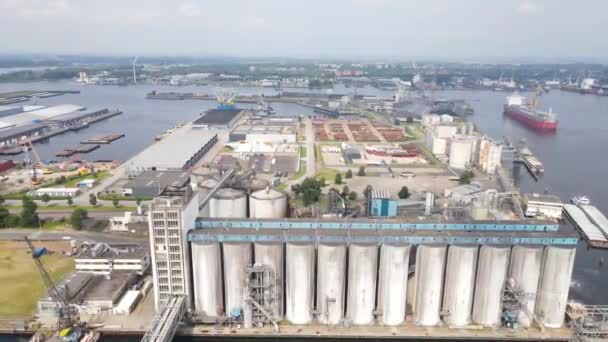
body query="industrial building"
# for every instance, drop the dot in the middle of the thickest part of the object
(217, 119)
(380, 204)
(149, 183)
(489, 154)
(180, 150)
(546, 205)
(103, 259)
(55, 192)
(11, 135)
(263, 134)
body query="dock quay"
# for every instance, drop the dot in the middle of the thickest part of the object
(78, 149)
(596, 217)
(591, 233)
(103, 139)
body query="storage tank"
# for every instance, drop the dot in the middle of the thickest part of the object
(299, 283)
(268, 203)
(228, 203)
(207, 274)
(237, 256)
(430, 262)
(459, 285)
(491, 276)
(271, 256)
(556, 273)
(331, 283)
(460, 152)
(361, 298)
(392, 283)
(204, 187)
(524, 272)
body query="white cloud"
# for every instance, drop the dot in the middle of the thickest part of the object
(189, 10)
(529, 7)
(36, 8)
(254, 22)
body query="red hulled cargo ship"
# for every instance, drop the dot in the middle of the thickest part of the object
(529, 115)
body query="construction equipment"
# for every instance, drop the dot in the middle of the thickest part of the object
(67, 316)
(588, 322)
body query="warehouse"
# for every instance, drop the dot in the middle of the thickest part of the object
(11, 135)
(104, 259)
(219, 119)
(180, 150)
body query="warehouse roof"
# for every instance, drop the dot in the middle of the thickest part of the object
(174, 151)
(217, 116)
(51, 112)
(17, 131)
(161, 179)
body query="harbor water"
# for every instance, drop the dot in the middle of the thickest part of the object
(573, 156)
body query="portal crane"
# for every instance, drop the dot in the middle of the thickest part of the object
(66, 316)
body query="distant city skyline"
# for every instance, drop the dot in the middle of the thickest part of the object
(439, 29)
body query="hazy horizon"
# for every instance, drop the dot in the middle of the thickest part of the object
(367, 29)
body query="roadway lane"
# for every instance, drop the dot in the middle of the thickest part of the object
(310, 149)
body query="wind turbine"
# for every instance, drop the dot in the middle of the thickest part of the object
(134, 75)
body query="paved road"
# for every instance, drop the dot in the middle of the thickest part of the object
(18, 234)
(310, 149)
(55, 214)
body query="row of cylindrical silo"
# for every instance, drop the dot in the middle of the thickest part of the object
(364, 284)
(234, 203)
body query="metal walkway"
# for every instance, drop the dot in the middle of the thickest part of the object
(165, 321)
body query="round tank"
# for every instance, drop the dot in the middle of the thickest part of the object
(228, 203)
(491, 276)
(207, 274)
(331, 283)
(430, 262)
(392, 283)
(459, 285)
(460, 153)
(552, 296)
(271, 255)
(299, 283)
(204, 187)
(237, 256)
(362, 264)
(268, 203)
(524, 272)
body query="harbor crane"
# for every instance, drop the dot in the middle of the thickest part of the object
(67, 317)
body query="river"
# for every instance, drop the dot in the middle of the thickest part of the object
(573, 157)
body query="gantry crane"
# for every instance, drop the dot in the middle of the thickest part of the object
(66, 315)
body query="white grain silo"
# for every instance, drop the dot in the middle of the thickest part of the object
(392, 283)
(362, 264)
(207, 274)
(331, 283)
(554, 285)
(271, 256)
(299, 283)
(237, 256)
(461, 149)
(228, 203)
(491, 276)
(268, 203)
(204, 187)
(459, 285)
(524, 273)
(430, 263)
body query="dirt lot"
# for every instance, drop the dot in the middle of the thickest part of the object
(22, 285)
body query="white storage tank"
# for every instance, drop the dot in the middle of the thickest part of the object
(204, 187)
(524, 274)
(362, 264)
(207, 274)
(237, 256)
(271, 256)
(268, 203)
(228, 203)
(459, 285)
(461, 152)
(491, 276)
(554, 285)
(430, 262)
(299, 283)
(331, 283)
(392, 283)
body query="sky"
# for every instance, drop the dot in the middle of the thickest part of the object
(307, 28)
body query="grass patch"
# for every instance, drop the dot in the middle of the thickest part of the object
(303, 151)
(22, 285)
(300, 172)
(319, 154)
(110, 197)
(329, 174)
(70, 182)
(282, 187)
(415, 131)
(54, 224)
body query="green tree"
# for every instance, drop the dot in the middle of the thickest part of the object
(338, 179)
(115, 202)
(70, 201)
(138, 201)
(1, 200)
(361, 171)
(404, 192)
(92, 199)
(352, 196)
(310, 189)
(466, 177)
(322, 181)
(349, 174)
(29, 217)
(4, 216)
(77, 218)
(345, 191)
(46, 198)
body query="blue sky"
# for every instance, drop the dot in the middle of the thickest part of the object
(456, 29)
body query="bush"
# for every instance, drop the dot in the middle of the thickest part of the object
(77, 218)
(465, 177)
(404, 192)
(352, 196)
(29, 217)
(92, 199)
(46, 198)
(361, 171)
(349, 174)
(322, 181)
(115, 202)
(338, 179)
